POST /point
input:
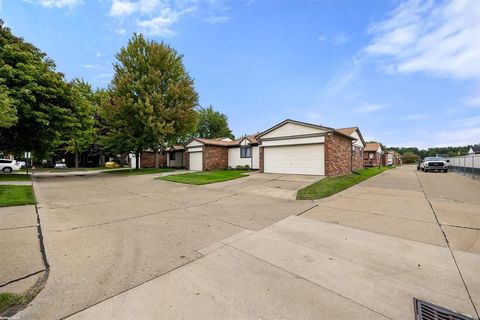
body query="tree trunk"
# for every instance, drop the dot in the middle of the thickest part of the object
(137, 160)
(157, 158)
(102, 160)
(122, 160)
(76, 158)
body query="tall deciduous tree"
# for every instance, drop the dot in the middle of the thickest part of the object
(212, 124)
(39, 94)
(81, 134)
(8, 113)
(152, 97)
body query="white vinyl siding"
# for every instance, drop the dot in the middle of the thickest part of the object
(196, 161)
(291, 129)
(298, 159)
(234, 158)
(179, 159)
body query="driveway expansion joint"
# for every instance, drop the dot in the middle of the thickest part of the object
(449, 248)
(309, 281)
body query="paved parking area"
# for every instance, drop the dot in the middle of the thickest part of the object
(105, 234)
(133, 247)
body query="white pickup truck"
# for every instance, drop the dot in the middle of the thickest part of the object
(433, 164)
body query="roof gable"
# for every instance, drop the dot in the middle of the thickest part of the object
(355, 133)
(292, 128)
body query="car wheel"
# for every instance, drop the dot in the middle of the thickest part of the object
(446, 170)
(7, 170)
(423, 169)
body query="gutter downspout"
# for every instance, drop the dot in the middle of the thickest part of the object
(351, 157)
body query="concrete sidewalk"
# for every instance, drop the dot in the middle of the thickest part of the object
(21, 260)
(298, 269)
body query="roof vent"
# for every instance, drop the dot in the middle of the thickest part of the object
(428, 311)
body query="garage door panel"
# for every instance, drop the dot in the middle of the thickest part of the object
(196, 161)
(300, 159)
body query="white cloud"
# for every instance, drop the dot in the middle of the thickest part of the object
(339, 39)
(217, 19)
(342, 79)
(473, 100)
(439, 38)
(57, 3)
(322, 38)
(369, 108)
(122, 8)
(88, 66)
(161, 24)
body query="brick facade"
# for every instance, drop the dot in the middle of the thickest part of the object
(338, 155)
(147, 159)
(187, 160)
(357, 158)
(260, 159)
(372, 159)
(215, 158)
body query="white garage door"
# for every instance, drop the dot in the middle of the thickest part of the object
(298, 159)
(196, 161)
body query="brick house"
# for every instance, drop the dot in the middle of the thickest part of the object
(391, 158)
(221, 153)
(372, 155)
(294, 147)
(358, 146)
(147, 159)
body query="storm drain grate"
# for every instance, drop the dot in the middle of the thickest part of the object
(428, 311)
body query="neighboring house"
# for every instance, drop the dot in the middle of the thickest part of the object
(391, 158)
(474, 150)
(372, 154)
(295, 147)
(147, 159)
(176, 157)
(246, 152)
(221, 153)
(358, 145)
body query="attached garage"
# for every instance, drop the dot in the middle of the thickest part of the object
(299, 159)
(196, 161)
(294, 147)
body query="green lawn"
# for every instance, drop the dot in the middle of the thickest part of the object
(14, 177)
(328, 186)
(8, 300)
(206, 177)
(71, 169)
(11, 195)
(136, 172)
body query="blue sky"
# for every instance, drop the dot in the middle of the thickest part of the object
(406, 72)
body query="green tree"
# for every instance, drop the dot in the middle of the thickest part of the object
(8, 113)
(152, 98)
(212, 124)
(39, 94)
(409, 157)
(81, 133)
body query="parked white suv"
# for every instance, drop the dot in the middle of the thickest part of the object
(7, 166)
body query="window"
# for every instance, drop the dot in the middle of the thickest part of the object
(172, 156)
(245, 152)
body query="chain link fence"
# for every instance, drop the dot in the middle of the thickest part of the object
(468, 165)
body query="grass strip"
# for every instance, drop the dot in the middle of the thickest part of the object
(331, 185)
(205, 177)
(14, 195)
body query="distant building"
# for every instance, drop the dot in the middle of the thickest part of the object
(474, 150)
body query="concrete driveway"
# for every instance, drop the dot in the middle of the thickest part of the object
(133, 247)
(105, 234)
(362, 254)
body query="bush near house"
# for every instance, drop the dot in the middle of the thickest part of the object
(331, 185)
